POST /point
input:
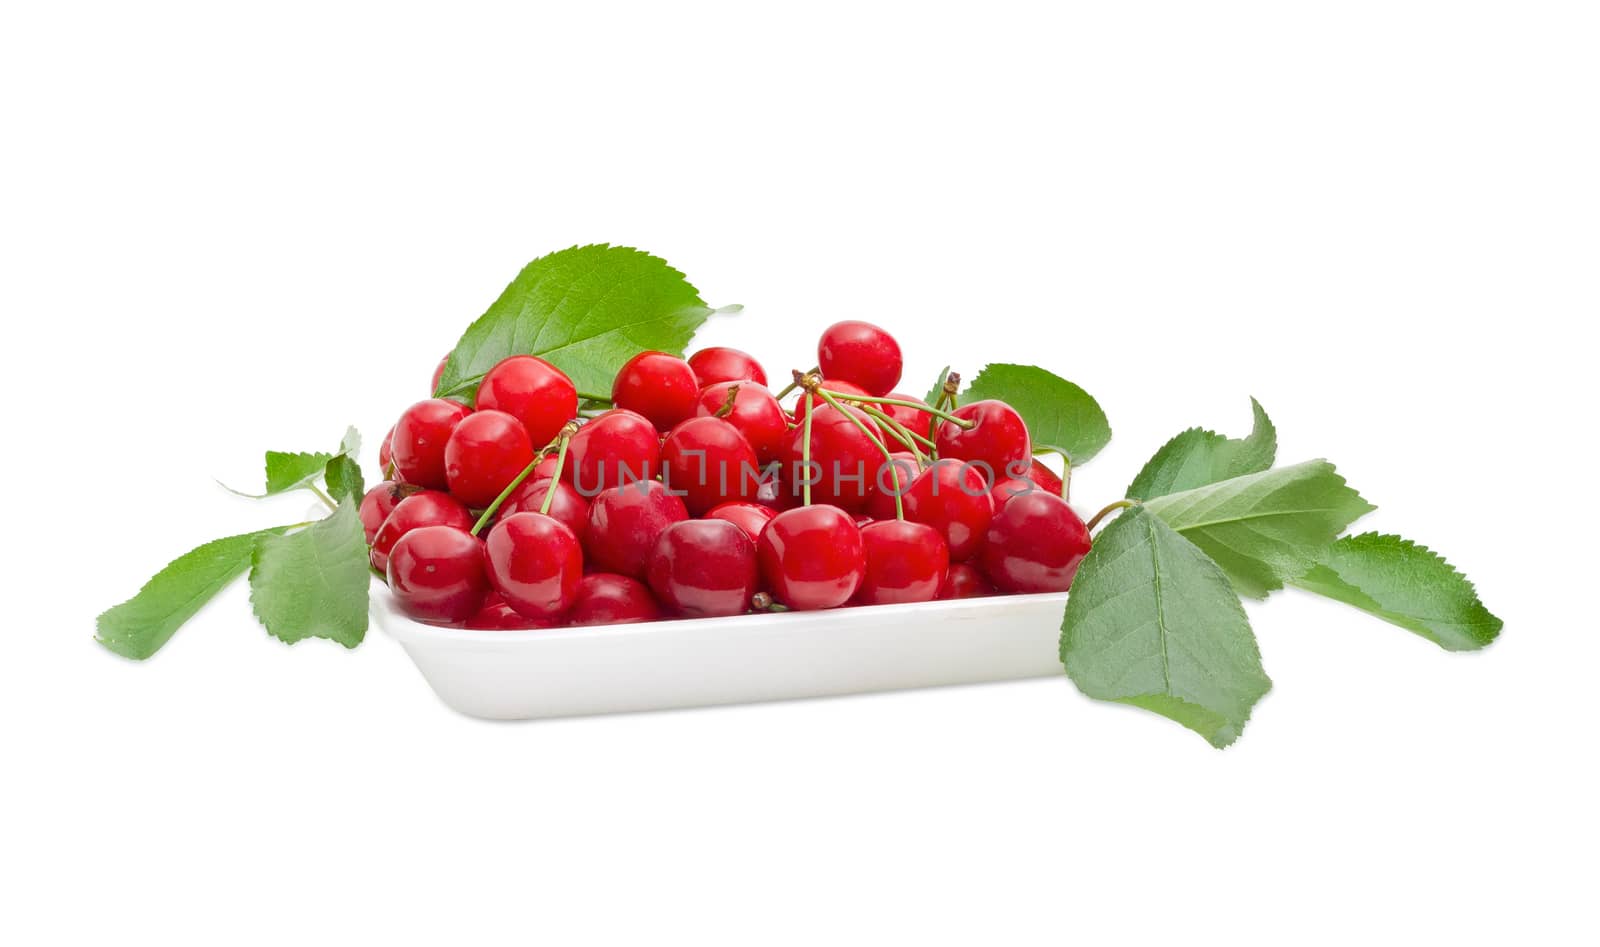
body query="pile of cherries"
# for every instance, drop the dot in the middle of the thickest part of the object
(697, 494)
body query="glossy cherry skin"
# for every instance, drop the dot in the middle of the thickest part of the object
(916, 420)
(534, 392)
(1034, 544)
(709, 462)
(703, 569)
(750, 517)
(661, 387)
(487, 451)
(888, 480)
(438, 373)
(997, 439)
(437, 574)
(718, 364)
(615, 448)
(535, 563)
(567, 505)
(427, 508)
(953, 498)
(861, 353)
(379, 502)
(605, 598)
(845, 461)
(775, 493)
(496, 615)
(385, 456)
(420, 436)
(965, 581)
(624, 524)
(756, 413)
(1048, 480)
(1009, 487)
(905, 562)
(811, 557)
(835, 386)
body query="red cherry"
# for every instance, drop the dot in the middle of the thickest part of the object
(568, 505)
(889, 480)
(1035, 544)
(605, 598)
(709, 462)
(965, 581)
(384, 452)
(756, 413)
(659, 386)
(535, 564)
(775, 493)
(615, 448)
(379, 502)
(915, 420)
(624, 524)
(427, 508)
(951, 497)
(862, 353)
(487, 451)
(436, 574)
(997, 439)
(1048, 480)
(718, 364)
(835, 386)
(417, 447)
(534, 392)
(844, 460)
(496, 615)
(750, 517)
(704, 569)
(438, 373)
(1009, 487)
(906, 562)
(811, 557)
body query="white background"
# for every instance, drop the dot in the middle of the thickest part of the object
(233, 228)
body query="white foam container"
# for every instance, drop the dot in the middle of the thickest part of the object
(523, 675)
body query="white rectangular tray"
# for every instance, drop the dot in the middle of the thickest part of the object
(522, 675)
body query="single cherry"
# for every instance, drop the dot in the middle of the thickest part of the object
(755, 412)
(1035, 544)
(624, 524)
(426, 508)
(379, 502)
(835, 386)
(1008, 487)
(862, 353)
(891, 477)
(965, 581)
(615, 448)
(905, 562)
(568, 505)
(704, 569)
(384, 452)
(708, 462)
(661, 387)
(1048, 480)
(952, 497)
(997, 439)
(535, 563)
(436, 574)
(844, 460)
(438, 373)
(420, 436)
(487, 451)
(496, 615)
(750, 517)
(718, 364)
(605, 598)
(534, 392)
(811, 557)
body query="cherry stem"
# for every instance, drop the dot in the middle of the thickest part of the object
(598, 399)
(796, 383)
(901, 433)
(326, 500)
(493, 508)
(1066, 469)
(1112, 508)
(964, 424)
(877, 441)
(805, 451)
(727, 404)
(563, 439)
(764, 602)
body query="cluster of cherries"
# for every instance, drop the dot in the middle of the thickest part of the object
(697, 494)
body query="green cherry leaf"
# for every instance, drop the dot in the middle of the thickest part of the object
(343, 472)
(1198, 457)
(140, 626)
(314, 583)
(1153, 622)
(937, 389)
(1060, 416)
(1265, 528)
(587, 310)
(1408, 585)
